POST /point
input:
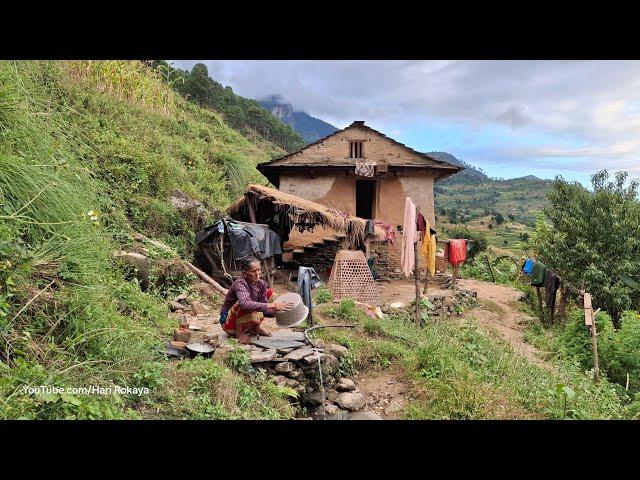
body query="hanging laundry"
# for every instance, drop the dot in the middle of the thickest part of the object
(551, 285)
(422, 222)
(409, 233)
(428, 249)
(527, 266)
(538, 274)
(390, 231)
(457, 251)
(370, 228)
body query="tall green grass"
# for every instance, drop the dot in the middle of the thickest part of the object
(79, 170)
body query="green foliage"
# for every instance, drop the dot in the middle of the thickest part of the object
(240, 113)
(90, 152)
(239, 360)
(591, 238)
(459, 372)
(479, 239)
(323, 295)
(346, 310)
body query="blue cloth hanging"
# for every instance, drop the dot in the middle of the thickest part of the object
(527, 268)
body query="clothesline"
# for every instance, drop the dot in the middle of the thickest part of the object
(579, 292)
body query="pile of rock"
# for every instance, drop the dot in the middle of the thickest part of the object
(295, 363)
(447, 304)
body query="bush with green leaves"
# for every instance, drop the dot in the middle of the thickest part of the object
(480, 241)
(591, 239)
(323, 295)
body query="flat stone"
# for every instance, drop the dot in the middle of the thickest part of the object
(312, 399)
(332, 395)
(331, 409)
(292, 383)
(275, 343)
(285, 367)
(337, 350)
(295, 374)
(364, 416)
(182, 296)
(280, 380)
(263, 356)
(395, 406)
(345, 385)
(174, 306)
(299, 353)
(351, 401)
(288, 335)
(313, 358)
(198, 308)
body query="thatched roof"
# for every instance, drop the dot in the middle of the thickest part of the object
(299, 211)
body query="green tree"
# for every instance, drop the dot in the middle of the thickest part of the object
(591, 238)
(499, 219)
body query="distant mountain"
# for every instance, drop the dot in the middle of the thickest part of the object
(309, 128)
(470, 174)
(471, 194)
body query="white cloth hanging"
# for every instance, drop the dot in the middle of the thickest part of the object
(409, 236)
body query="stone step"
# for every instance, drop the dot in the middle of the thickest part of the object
(331, 240)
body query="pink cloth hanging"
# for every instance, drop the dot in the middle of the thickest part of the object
(409, 236)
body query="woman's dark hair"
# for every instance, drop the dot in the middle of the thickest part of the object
(246, 263)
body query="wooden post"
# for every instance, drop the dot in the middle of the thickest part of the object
(562, 304)
(455, 273)
(590, 321)
(252, 217)
(416, 276)
(493, 278)
(540, 309)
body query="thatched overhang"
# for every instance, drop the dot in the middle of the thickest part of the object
(286, 211)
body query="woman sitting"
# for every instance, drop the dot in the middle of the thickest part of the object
(248, 301)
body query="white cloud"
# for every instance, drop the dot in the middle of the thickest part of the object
(593, 104)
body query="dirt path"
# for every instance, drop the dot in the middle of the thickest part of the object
(498, 310)
(385, 393)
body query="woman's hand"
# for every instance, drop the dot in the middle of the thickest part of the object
(282, 306)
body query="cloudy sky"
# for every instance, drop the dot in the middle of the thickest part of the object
(511, 118)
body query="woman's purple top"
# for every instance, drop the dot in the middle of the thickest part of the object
(250, 296)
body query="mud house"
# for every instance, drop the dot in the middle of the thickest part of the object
(362, 172)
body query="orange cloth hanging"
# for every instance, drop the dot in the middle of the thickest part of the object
(457, 251)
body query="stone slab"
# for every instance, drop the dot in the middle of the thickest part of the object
(288, 335)
(263, 356)
(299, 353)
(278, 344)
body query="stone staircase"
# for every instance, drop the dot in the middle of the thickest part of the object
(319, 255)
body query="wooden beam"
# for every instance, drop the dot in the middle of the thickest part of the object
(219, 288)
(252, 213)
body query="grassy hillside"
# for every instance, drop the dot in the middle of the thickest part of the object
(244, 114)
(89, 153)
(503, 210)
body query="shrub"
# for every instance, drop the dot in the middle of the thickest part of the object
(323, 295)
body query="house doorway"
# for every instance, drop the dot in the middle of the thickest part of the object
(365, 196)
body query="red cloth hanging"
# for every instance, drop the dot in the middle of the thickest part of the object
(457, 251)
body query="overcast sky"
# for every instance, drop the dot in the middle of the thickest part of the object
(511, 118)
